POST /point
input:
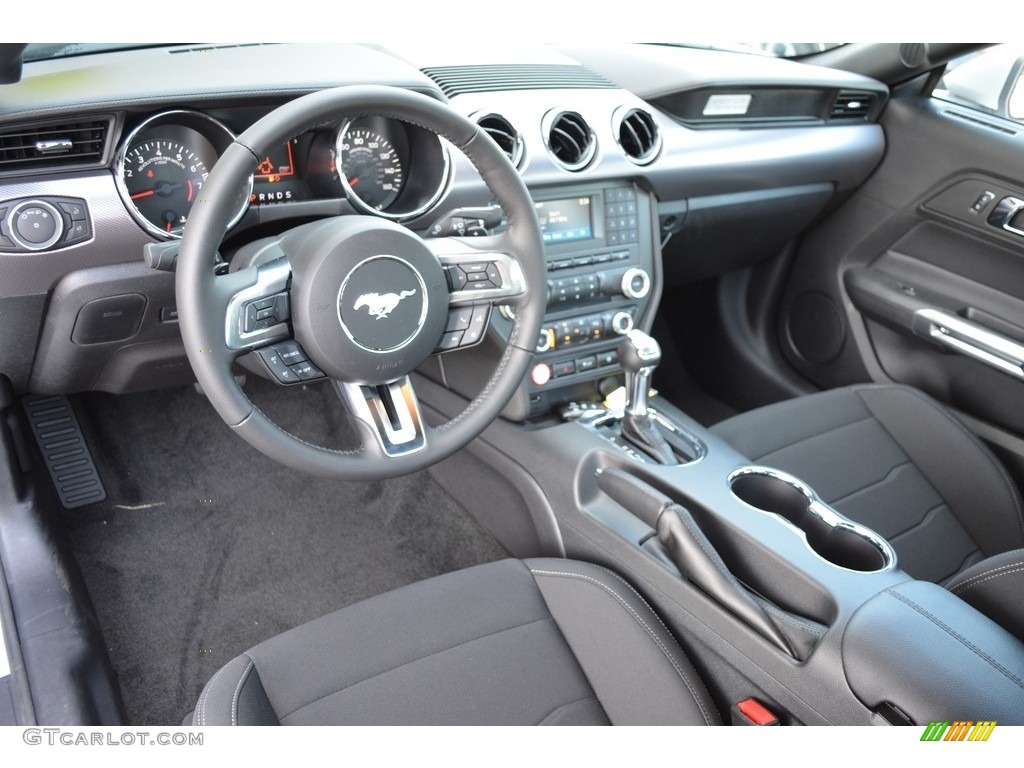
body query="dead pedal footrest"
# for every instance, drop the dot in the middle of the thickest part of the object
(64, 450)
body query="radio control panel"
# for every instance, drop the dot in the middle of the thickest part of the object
(603, 279)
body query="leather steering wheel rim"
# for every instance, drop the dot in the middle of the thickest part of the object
(201, 294)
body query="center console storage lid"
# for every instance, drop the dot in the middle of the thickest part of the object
(923, 649)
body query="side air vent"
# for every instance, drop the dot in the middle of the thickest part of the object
(638, 134)
(504, 134)
(527, 77)
(852, 105)
(45, 146)
(570, 141)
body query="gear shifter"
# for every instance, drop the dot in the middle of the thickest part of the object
(639, 355)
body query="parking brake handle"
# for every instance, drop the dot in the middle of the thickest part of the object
(690, 550)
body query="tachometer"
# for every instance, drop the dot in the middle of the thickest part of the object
(370, 169)
(163, 164)
(164, 178)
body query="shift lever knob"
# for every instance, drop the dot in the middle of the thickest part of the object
(639, 355)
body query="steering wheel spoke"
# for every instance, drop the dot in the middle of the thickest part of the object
(390, 411)
(259, 308)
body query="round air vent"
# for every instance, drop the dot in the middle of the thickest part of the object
(570, 141)
(504, 134)
(637, 134)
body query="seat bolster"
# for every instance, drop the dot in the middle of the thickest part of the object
(960, 467)
(235, 696)
(994, 586)
(633, 663)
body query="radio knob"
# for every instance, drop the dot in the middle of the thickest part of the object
(636, 283)
(622, 323)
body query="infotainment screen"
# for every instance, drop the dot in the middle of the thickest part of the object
(564, 220)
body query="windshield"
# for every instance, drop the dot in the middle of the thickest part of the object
(39, 51)
(777, 50)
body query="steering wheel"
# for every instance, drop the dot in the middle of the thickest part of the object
(357, 299)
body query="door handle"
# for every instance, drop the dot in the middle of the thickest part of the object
(1005, 212)
(970, 339)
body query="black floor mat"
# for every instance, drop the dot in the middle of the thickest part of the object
(203, 547)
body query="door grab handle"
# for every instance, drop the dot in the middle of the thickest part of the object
(970, 339)
(1003, 214)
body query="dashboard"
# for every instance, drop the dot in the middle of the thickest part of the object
(649, 166)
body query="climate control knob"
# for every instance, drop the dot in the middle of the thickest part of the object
(636, 283)
(622, 323)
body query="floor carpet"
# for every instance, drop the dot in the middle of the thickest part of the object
(204, 547)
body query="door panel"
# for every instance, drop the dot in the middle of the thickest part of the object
(915, 279)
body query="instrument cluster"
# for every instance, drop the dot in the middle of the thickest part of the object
(382, 166)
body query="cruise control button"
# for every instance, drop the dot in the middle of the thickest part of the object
(277, 366)
(291, 352)
(306, 371)
(480, 285)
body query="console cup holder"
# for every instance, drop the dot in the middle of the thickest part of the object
(831, 536)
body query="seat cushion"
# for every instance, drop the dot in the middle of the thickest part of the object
(995, 586)
(892, 458)
(551, 642)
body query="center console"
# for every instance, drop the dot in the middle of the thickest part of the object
(603, 280)
(773, 593)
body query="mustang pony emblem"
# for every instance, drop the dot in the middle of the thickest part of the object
(381, 304)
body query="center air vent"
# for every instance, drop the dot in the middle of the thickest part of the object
(570, 141)
(43, 146)
(852, 105)
(504, 134)
(638, 134)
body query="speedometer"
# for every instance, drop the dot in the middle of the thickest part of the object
(370, 169)
(163, 179)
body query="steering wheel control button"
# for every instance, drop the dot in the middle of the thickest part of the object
(291, 352)
(449, 341)
(307, 371)
(264, 313)
(477, 325)
(459, 319)
(278, 367)
(382, 304)
(457, 279)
